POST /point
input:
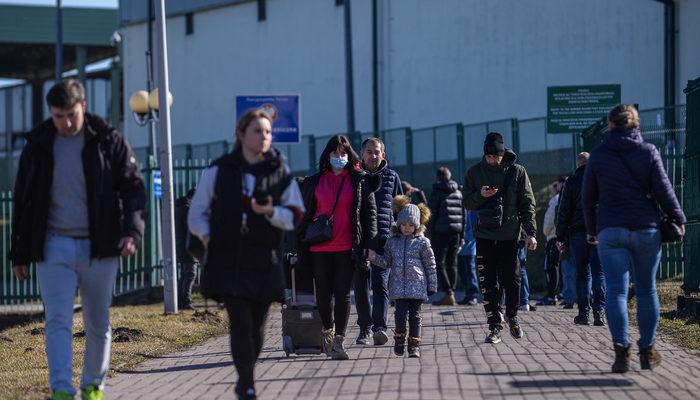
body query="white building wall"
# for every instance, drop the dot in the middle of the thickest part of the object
(440, 61)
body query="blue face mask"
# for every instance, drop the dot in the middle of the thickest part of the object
(339, 162)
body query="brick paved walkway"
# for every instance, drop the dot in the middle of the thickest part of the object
(555, 360)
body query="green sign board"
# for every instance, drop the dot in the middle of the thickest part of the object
(571, 109)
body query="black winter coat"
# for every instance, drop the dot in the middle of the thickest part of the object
(364, 219)
(445, 204)
(390, 186)
(115, 193)
(245, 263)
(570, 213)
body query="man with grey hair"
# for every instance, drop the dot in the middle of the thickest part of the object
(571, 235)
(374, 315)
(79, 204)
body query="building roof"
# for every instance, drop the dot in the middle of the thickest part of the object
(28, 35)
(136, 11)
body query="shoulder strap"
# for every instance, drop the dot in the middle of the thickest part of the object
(337, 195)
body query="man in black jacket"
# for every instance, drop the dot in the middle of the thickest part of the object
(446, 230)
(78, 205)
(374, 315)
(571, 231)
(188, 264)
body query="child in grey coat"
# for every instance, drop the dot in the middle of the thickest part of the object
(413, 277)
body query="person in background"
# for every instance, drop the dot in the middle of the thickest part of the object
(446, 231)
(624, 185)
(552, 254)
(187, 262)
(344, 192)
(467, 262)
(242, 205)
(571, 229)
(79, 204)
(524, 281)
(372, 316)
(416, 195)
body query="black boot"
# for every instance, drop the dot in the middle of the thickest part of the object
(598, 318)
(399, 343)
(649, 357)
(414, 347)
(622, 359)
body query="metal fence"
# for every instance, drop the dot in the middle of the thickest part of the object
(415, 154)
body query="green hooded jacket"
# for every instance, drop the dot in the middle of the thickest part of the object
(519, 201)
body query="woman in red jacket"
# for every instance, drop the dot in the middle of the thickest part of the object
(342, 192)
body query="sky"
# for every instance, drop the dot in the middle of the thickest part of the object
(64, 3)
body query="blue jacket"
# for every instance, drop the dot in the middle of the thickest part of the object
(390, 186)
(469, 247)
(621, 201)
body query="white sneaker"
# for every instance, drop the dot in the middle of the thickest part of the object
(525, 307)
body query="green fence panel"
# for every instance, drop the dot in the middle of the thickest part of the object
(691, 189)
(691, 248)
(692, 93)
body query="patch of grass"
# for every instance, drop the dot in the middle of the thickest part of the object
(680, 329)
(139, 332)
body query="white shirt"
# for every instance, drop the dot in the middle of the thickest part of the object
(200, 210)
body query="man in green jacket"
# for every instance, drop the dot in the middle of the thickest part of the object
(500, 192)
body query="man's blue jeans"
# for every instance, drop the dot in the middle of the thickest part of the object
(467, 274)
(67, 266)
(524, 282)
(372, 310)
(589, 274)
(621, 251)
(568, 272)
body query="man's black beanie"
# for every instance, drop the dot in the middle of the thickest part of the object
(493, 144)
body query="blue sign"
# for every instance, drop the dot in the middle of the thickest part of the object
(282, 109)
(157, 187)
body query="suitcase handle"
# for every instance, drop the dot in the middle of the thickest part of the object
(292, 268)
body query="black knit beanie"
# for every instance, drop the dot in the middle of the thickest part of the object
(493, 144)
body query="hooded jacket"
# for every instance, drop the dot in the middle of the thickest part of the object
(445, 204)
(570, 215)
(620, 200)
(519, 205)
(115, 192)
(389, 186)
(410, 259)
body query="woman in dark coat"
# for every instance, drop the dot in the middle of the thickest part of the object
(243, 203)
(342, 191)
(623, 182)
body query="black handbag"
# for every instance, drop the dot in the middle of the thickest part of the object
(671, 232)
(490, 214)
(320, 230)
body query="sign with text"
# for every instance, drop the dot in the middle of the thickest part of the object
(157, 184)
(571, 109)
(284, 110)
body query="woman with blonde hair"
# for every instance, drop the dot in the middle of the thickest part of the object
(624, 181)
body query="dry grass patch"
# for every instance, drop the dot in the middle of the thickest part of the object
(139, 332)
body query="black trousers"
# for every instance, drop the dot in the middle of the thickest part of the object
(408, 309)
(551, 268)
(446, 247)
(247, 328)
(187, 277)
(499, 274)
(333, 273)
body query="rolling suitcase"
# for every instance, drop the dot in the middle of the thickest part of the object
(301, 322)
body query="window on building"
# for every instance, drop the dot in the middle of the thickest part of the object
(262, 10)
(189, 23)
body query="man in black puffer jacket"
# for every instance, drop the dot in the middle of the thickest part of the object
(446, 229)
(374, 315)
